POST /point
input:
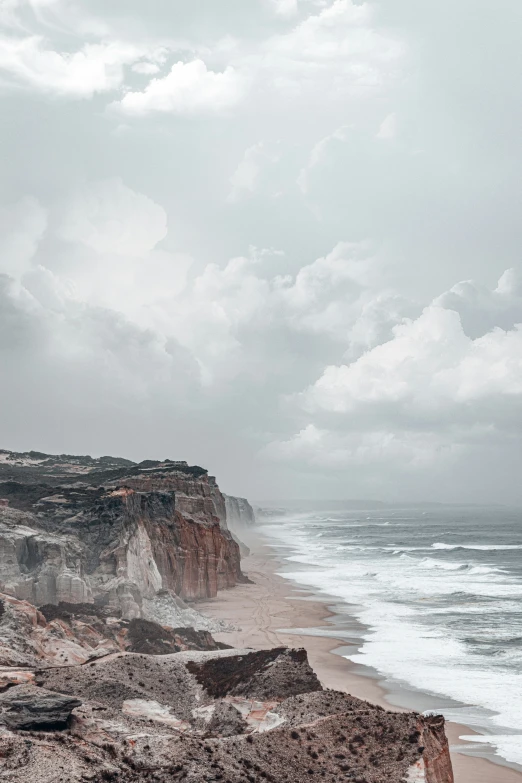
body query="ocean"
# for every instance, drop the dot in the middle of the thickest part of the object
(439, 593)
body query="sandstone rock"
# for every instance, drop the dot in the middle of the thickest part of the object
(10, 677)
(29, 707)
(124, 536)
(436, 755)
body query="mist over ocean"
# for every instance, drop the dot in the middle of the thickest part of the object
(439, 590)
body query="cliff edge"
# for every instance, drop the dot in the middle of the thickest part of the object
(139, 538)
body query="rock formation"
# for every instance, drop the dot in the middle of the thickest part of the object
(29, 707)
(240, 513)
(233, 715)
(141, 539)
(107, 675)
(73, 634)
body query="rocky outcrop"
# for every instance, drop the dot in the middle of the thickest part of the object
(436, 760)
(149, 718)
(240, 513)
(137, 538)
(264, 674)
(28, 707)
(73, 634)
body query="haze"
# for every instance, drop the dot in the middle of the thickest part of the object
(277, 238)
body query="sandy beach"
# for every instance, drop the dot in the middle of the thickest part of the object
(271, 603)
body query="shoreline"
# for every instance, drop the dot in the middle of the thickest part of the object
(274, 612)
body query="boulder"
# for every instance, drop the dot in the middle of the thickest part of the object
(28, 707)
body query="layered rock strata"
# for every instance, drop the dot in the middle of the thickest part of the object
(138, 538)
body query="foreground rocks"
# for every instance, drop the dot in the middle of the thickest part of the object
(82, 707)
(205, 716)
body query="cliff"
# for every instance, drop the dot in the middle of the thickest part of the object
(239, 512)
(97, 560)
(141, 539)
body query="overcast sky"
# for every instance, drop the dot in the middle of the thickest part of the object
(277, 238)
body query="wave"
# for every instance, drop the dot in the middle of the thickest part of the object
(440, 616)
(428, 562)
(477, 547)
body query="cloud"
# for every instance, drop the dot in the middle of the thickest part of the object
(328, 449)
(246, 178)
(189, 88)
(78, 342)
(429, 397)
(339, 47)
(284, 8)
(319, 153)
(22, 226)
(146, 68)
(95, 68)
(481, 309)
(109, 217)
(430, 363)
(94, 301)
(104, 253)
(388, 128)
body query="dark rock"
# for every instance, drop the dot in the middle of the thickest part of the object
(28, 707)
(150, 638)
(264, 674)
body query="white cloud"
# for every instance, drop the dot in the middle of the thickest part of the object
(189, 88)
(428, 398)
(284, 8)
(429, 363)
(109, 217)
(108, 254)
(481, 309)
(329, 450)
(338, 47)
(245, 177)
(245, 180)
(388, 128)
(319, 153)
(95, 68)
(22, 226)
(146, 68)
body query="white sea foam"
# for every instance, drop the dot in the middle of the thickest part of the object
(478, 547)
(402, 595)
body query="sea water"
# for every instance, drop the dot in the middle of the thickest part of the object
(439, 591)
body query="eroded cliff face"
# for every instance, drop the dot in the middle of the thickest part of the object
(139, 538)
(240, 513)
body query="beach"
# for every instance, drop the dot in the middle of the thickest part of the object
(273, 612)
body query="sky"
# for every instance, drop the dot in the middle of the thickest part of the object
(276, 238)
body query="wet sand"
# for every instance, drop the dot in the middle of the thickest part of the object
(261, 610)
